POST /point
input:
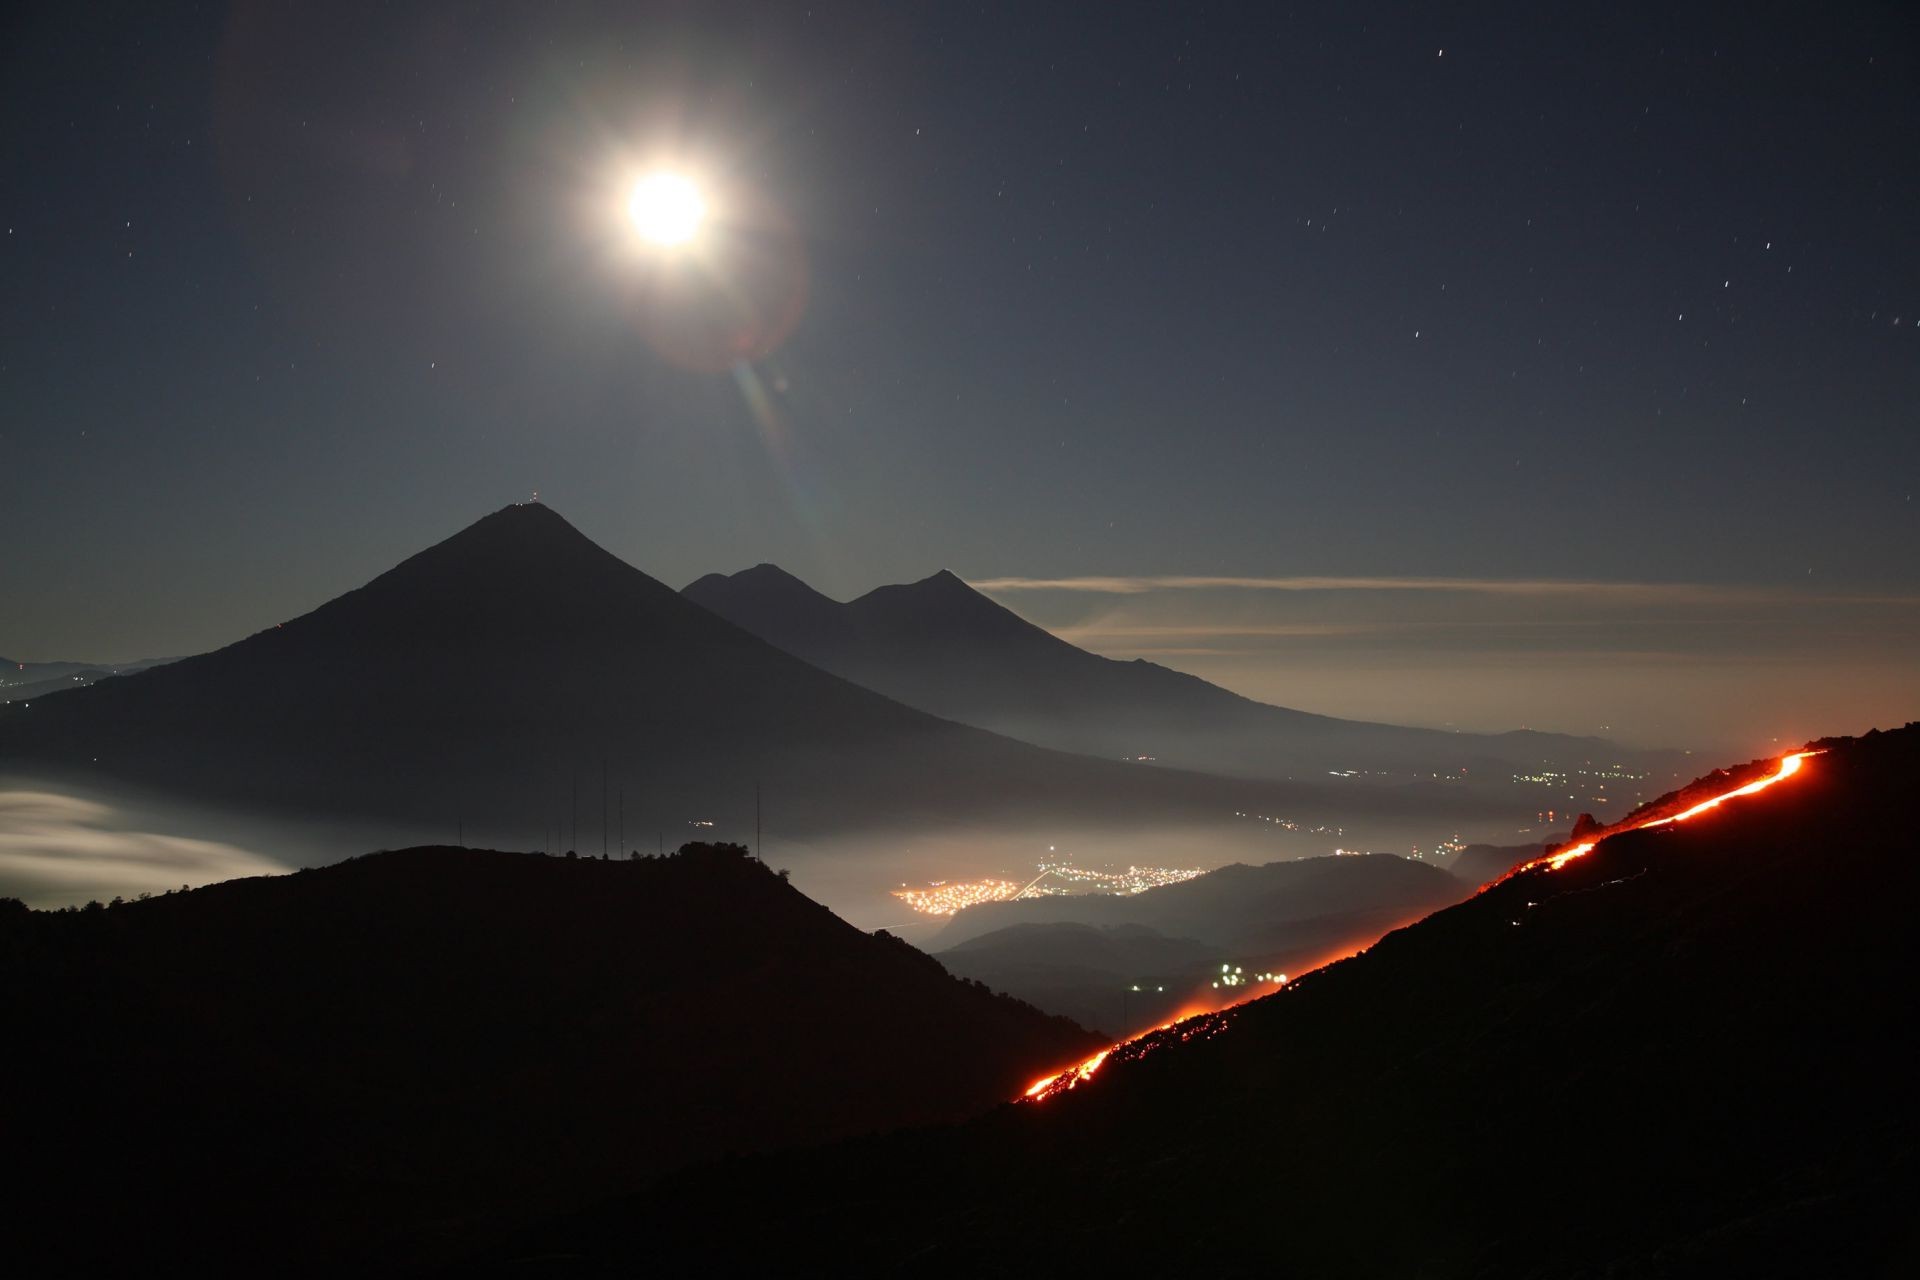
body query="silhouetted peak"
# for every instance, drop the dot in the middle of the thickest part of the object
(953, 611)
(945, 580)
(523, 561)
(945, 589)
(763, 587)
(525, 520)
(523, 531)
(771, 579)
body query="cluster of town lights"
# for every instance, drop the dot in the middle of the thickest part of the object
(1056, 879)
(1235, 976)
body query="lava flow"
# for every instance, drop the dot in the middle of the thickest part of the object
(1189, 1024)
(1788, 766)
(1186, 1026)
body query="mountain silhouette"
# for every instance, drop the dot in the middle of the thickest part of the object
(1119, 976)
(357, 1066)
(939, 645)
(484, 679)
(1479, 864)
(28, 691)
(1674, 1056)
(25, 681)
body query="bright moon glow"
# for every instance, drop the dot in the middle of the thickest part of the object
(666, 208)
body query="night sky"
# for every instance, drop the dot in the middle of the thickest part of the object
(1138, 293)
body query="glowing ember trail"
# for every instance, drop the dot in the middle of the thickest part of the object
(1196, 1021)
(1192, 1024)
(1789, 765)
(1070, 1077)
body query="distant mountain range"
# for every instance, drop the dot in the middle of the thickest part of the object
(491, 678)
(939, 645)
(1677, 1055)
(1117, 977)
(25, 681)
(1479, 864)
(366, 1067)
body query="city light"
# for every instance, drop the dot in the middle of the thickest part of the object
(945, 897)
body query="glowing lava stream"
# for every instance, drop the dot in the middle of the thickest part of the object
(1789, 765)
(1081, 1072)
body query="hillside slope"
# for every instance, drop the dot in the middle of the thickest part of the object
(1675, 1056)
(367, 1063)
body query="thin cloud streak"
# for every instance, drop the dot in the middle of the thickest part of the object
(1651, 591)
(1091, 632)
(1283, 630)
(1652, 663)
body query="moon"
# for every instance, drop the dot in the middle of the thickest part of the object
(666, 208)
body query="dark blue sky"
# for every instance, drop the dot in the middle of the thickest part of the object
(288, 291)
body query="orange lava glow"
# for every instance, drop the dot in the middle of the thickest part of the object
(1788, 766)
(1198, 1007)
(1070, 1077)
(1199, 1017)
(1192, 1019)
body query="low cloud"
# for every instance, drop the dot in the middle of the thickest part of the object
(1669, 592)
(57, 848)
(1656, 663)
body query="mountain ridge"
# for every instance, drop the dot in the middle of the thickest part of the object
(369, 1061)
(942, 646)
(482, 679)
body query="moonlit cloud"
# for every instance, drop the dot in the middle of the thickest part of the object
(1223, 631)
(1678, 592)
(56, 849)
(1649, 662)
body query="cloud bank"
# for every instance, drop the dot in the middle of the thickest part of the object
(56, 849)
(1655, 663)
(1672, 592)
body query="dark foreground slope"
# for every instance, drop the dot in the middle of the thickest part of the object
(382, 1061)
(939, 645)
(483, 679)
(1684, 1054)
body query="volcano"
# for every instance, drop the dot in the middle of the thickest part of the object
(939, 645)
(484, 679)
(1674, 1054)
